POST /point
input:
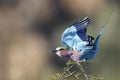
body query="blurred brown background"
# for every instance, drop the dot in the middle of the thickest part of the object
(29, 29)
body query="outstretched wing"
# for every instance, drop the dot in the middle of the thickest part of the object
(76, 33)
(81, 27)
(90, 53)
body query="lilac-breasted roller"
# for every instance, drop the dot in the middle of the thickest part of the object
(78, 45)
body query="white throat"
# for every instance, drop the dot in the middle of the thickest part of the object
(58, 53)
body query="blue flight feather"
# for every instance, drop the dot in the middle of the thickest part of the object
(90, 52)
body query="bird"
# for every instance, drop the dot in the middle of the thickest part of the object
(77, 45)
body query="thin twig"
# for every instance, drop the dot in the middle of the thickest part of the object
(82, 69)
(76, 76)
(67, 70)
(65, 77)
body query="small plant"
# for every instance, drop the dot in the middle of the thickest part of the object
(93, 77)
(75, 71)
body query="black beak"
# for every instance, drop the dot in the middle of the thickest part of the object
(53, 51)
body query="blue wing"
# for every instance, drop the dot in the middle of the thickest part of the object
(90, 53)
(81, 28)
(76, 33)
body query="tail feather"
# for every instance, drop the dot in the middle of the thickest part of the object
(97, 39)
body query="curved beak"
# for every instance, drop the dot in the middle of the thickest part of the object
(53, 51)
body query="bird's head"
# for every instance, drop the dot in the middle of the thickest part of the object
(58, 51)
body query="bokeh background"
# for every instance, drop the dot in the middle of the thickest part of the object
(29, 29)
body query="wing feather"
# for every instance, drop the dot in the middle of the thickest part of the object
(75, 33)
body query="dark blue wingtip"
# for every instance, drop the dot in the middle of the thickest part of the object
(82, 24)
(86, 19)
